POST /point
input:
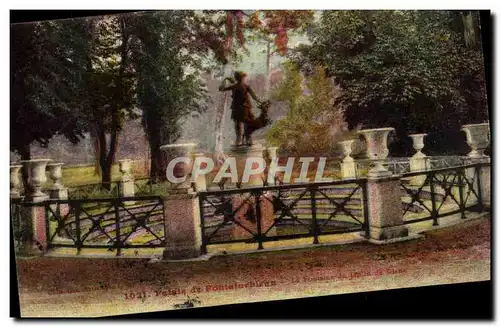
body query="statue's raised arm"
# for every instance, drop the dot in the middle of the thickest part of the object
(223, 86)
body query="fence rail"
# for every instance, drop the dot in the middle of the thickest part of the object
(109, 223)
(271, 213)
(441, 192)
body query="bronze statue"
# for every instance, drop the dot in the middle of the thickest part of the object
(244, 121)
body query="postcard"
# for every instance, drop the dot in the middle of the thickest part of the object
(174, 159)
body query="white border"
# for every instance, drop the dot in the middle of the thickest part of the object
(197, 4)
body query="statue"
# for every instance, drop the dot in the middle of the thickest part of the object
(245, 122)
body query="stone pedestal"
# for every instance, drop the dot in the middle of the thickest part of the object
(33, 226)
(483, 186)
(58, 192)
(485, 183)
(127, 186)
(251, 159)
(182, 226)
(247, 216)
(419, 161)
(33, 220)
(385, 213)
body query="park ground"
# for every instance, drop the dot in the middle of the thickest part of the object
(72, 286)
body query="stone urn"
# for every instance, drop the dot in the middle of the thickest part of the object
(55, 173)
(37, 177)
(478, 138)
(376, 149)
(15, 181)
(125, 167)
(179, 162)
(418, 144)
(347, 150)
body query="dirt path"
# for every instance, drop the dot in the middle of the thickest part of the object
(96, 287)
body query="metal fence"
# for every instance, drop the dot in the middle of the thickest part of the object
(438, 193)
(109, 223)
(263, 214)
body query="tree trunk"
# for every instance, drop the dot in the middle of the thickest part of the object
(220, 118)
(267, 83)
(103, 160)
(97, 154)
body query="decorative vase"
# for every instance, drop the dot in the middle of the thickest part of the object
(55, 173)
(15, 181)
(376, 148)
(37, 177)
(418, 144)
(478, 138)
(347, 150)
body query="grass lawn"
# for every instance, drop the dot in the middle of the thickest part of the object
(85, 175)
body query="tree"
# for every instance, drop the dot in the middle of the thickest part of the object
(406, 69)
(313, 124)
(273, 28)
(42, 81)
(168, 83)
(108, 98)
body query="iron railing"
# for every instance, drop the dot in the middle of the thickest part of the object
(430, 195)
(108, 223)
(271, 213)
(98, 190)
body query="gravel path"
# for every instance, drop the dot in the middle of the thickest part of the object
(96, 287)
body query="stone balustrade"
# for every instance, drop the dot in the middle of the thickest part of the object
(182, 212)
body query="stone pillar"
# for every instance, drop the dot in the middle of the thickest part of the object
(243, 156)
(58, 192)
(33, 224)
(15, 181)
(347, 166)
(419, 161)
(181, 207)
(182, 225)
(478, 138)
(127, 187)
(385, 213)
(377, 151)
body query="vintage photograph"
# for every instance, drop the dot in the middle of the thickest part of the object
(181, 159)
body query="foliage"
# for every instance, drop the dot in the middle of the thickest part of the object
(313, 124)
(277, 24)
(42, 80)
(408, 69)
(169, 87)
